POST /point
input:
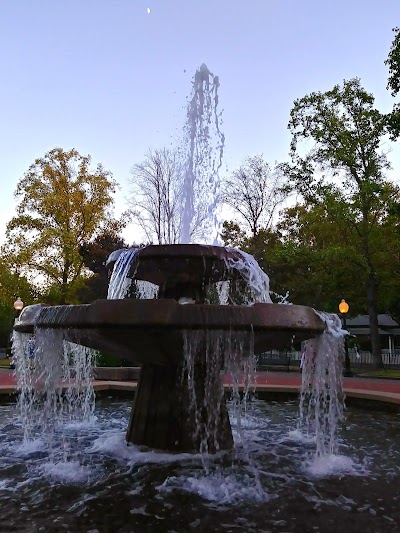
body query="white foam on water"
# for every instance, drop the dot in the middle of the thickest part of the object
(79, 426)
(140, 510)
(297, 436)
(332, 466)
(116, 446)
(248, 422)
(27, 447)
(4, 484)
(218, 487)
(66, 472)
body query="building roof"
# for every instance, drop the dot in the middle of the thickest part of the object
(367, 331)
(384, 321)
(360, 325)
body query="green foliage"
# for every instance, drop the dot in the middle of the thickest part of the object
(232, 235)
(314, 262)
(393, 62)
(345, 132)
(95, 255)
(106, 359)
(12, 285)
(63, 204)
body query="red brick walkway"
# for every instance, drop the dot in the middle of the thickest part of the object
(379, 389)
(370, 384)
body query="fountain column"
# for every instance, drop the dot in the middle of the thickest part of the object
(164, 417)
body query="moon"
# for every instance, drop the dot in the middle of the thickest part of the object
(148, 11)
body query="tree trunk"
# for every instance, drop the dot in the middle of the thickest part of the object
(373, 322)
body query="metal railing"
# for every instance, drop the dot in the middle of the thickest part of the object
(358, 359)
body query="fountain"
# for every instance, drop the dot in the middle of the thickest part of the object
(188, 315)
(179, 397)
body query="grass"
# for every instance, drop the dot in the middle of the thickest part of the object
(4, 363)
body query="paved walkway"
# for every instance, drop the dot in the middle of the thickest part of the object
(387, 390)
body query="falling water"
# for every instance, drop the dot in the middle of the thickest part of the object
(322, 398)
(120, 286)
(204, 152)
(210, 355)
(256, 281)
(54, 379)
(119, 282)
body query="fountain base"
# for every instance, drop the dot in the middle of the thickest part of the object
(177, 408)
(163, 418)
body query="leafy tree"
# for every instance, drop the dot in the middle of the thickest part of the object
(316, 262)
(63, 204)
(345, 132)
(232, 235)
(12, 285)
(254, 191)
(393, 62)
(95, 255)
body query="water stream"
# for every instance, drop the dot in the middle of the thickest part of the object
(202, 155)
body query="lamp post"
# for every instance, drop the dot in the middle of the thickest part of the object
(343, 309)
(18, 306)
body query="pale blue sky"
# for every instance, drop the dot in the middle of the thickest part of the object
(109, 79)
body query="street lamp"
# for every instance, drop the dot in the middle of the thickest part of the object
(18, 305)
(343, 309)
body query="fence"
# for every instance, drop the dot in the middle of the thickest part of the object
(361, 359)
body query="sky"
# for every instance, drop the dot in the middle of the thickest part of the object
(111, 79)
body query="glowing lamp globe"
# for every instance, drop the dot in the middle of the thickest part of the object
(18, 304)
(343, 307)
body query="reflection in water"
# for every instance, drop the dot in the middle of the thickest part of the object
(108, 486)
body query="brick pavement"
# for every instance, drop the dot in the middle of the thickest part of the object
(374, 389)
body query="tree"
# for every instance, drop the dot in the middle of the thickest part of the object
(62, 205)
(346, 131)
(12, 285)
(232, 235)
(156, 198)
(255, 191)
(95, 255)
(317, 262)
(393, 62)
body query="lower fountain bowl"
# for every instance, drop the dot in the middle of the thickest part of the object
(151, 331)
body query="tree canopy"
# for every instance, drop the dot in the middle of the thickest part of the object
(393, 62)
(12, 285)
(63, 203)
(345, 132)
(393, 85)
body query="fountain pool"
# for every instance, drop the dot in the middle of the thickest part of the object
(271, 483)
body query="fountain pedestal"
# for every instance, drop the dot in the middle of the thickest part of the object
(162, 416)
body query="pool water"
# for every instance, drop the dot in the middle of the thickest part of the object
(91, 481)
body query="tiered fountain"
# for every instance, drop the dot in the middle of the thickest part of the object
(177, 400)
(188, 314)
